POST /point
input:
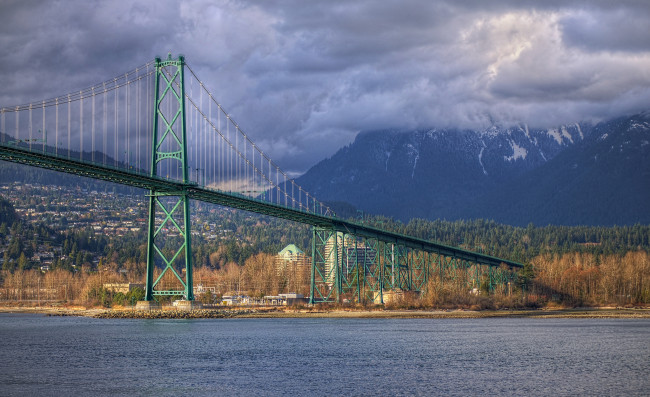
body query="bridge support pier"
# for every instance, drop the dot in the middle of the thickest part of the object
(147, 305)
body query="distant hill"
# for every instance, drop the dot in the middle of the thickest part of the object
(12, 172)
(573, 174)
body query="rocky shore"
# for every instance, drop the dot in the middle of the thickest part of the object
(176, 314)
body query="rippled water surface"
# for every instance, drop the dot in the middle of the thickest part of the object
(256, 357)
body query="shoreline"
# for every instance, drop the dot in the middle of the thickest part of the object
(128, 313)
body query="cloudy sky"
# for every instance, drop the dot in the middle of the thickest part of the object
(302, 78)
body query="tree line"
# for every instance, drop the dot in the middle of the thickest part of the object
(568, 265)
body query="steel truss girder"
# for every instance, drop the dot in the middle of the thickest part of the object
(420, 269)
(371, 286)
(350, 277)
(344, 267)
(397, 269)
(347, 267)
(325, 264)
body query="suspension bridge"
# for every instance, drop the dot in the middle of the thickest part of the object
(159, 128)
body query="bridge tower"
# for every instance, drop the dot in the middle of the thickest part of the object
(169, 236)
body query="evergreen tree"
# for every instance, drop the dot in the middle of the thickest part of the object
(23, 263)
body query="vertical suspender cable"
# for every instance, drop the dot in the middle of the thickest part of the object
(44, 132)
(136, 125)
(92, 128)
(236, 160)
(81, 126)
(229, 154)
(205, 138)
(126, 126)
(202, 171)
(147, 108)
(197, 134)
(56, 127)
(30, 126)
(200, 132)
(69, 123)
(17, 122)
(3, 120)
(245, 168)
(208, 144)
(220, 151)
(191, 130)
(212, 142)
(198, 126)
(137, 119)
(104, 124)
(276, 188)
(116, 110)
(153, 106)
(191, 141)
(189, 134)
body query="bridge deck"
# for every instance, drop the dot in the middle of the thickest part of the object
(235, 200)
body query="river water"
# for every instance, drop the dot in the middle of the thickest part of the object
(42, 355)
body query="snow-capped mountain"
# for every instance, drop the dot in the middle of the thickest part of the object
(498, 173)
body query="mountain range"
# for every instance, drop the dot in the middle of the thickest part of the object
(582, 173)
(577, 174)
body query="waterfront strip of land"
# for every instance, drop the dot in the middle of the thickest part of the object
(275, 312)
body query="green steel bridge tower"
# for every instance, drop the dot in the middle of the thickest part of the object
(169, 144)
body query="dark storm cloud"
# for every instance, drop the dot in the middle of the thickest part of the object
(302, 78)
(608, 30)
(54, 47)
